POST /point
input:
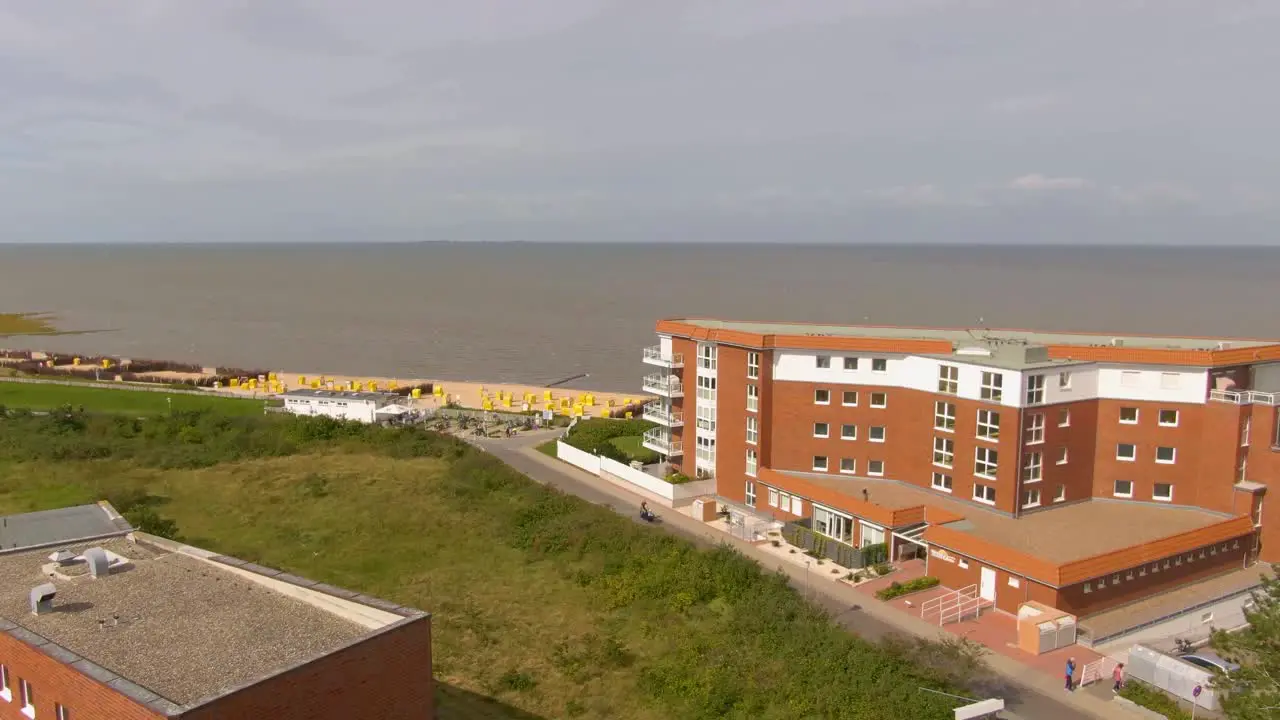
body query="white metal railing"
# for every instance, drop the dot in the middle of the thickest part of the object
(667, 384)
(663, 414)
(662, 442)
(1245, 397)
(936, 604)
(1099, 669)
(654, 354)
(962, 608)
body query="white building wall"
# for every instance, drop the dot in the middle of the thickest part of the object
(1153, 384)
(664, 345)
(909, 371)
(362, 410)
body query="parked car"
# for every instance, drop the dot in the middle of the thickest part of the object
(1209, 661)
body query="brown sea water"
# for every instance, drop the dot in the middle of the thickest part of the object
(538, 313)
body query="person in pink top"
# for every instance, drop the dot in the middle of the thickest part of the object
(1117, 675)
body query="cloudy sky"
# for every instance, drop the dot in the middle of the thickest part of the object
(803, 120)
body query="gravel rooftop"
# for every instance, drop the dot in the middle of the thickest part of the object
(186, 629)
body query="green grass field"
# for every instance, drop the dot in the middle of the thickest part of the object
(26, 324)
(631, 446)
(45, 396)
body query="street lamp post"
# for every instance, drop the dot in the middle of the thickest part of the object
(808, 587)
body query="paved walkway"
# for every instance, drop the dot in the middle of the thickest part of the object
(1030, 694)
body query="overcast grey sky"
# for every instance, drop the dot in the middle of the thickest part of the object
(795, 120)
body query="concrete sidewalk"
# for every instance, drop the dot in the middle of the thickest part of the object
(1033, 694)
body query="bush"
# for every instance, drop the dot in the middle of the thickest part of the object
(897, 589)
(874, 554)
(1152, 699)
(677, 478)
(594, 435)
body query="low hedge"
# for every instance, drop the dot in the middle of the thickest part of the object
(1152, 699)
(897, 589)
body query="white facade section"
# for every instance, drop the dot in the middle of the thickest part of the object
(664, 343)
(1153, 383)
(363, 410)
(909, 371)
(706, 408)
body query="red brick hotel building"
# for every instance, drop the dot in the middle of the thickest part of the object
(1080, 471)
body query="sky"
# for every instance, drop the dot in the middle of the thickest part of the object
(1024, 121)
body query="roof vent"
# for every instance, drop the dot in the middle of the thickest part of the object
(63, 557)
(1117, 342)
(96, 558)
(42, 598)
(1224, 345)
(974, 350)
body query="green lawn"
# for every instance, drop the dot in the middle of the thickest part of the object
(26, 324)
(631, 446)
(45, 396)
(544, 602)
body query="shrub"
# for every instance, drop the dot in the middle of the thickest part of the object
(897, 589)
(678, 478)
(883, 568)
(874, 554)
(1152, 699)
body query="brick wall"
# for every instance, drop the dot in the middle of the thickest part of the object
(53, 682)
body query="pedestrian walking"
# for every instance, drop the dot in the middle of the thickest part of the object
(1071, 670)
(1117, 677)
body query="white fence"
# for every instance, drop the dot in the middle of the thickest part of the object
(578, 458)
(633, 479)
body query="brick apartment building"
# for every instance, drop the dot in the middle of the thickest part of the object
(1080, 471)
(98, 621)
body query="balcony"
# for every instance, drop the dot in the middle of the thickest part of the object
(660, 441)
(668, 386)
(663, 415)
(653, 356)
(1244, 397)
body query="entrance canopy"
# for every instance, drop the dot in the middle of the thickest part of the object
(912, 534)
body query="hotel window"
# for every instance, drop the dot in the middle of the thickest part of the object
(1129, 415)
(28, 698)
(1166, 455)
(879, 365)
(1064, 381)
(706, 419)
(823, 362)
(985, 462)
(992, 387)
(1031, 498)
(948, 379)
(706, 449)
(820, 463)
(1035, 389)
(753, 430)
(1062, 455)
(707, 389)
(821, 430)
(848, 432)
(1035, 428)
(944, 416)
(832, 524)
(797, 505)
(1032, 467)
(941, 481)
(1162, 491)
(1123, 488)
(876, 434)
(749, 493)
(851, 363)
(849, 398)
(848, 466)
(1244, 432)
(1064, 417)
(875, 467)
(753, 398)
(707, 357)
(1060, 493)
(6, 693)
(984, 493)
(753, 462)
(773, 497)
(944, 452)
(821, 397)
(879, 399)
(1127, 452)
(1088, 588)
(1169, 381)
(1169, 418)
(753, 366)
(1242, 472)
(988, 425)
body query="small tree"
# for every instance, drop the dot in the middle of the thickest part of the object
(1253, 691)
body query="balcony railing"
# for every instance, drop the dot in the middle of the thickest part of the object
(665, 385)
(654, 356)
(660, 441)
(1245, 397)
(663, 415)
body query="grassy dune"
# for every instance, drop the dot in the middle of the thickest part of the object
(45, 396)
(26, 324)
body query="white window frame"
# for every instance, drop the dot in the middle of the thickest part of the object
(818, 393)
(1136, 414)
(822, 430)
(942, 482)
(948, 379)
(944, 452)
(871, 433)
(1159, 498)
(1030, 498)
(879, 365)
(992, 389)
(1245, 431)
(753, 365)
(1063, 456)
(1160, 417)
(848, 436)
(749, 493)
(992, 430)
(707, 356)
(773, 497)
(1035, 389)
(28, 697)
(1173, 456)
(944, 416)
(853, 466)
(60, 712)
(1034, 434)
(884, 400)
(822, 362)
(1115, 489)
(1064, 381)
(834, 521)
(797, 506)
(706, 388)
(1033, 467)
(1060, 493)
(844, 398)
(823, 467)
(753, 398)
(753, 430)
(980, 492)
(752, 466)
(850, 363)
(1131, 458)
(985, 458)
(6, 693)
(871, 468)
(1064, 417)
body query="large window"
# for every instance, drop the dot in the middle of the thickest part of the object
(707, 389)
(875, 467)
(1166, 455)
(944, 416)
(848, 466)
(1035, 389)
(832, 524)
(879, 399)
(988, 424)
(707, 417)
(1162, 491)
(749, 493)
(879, 365)
(707, 357)
(876, 434)
(821, 430)
(1123, 488)
(848, 432)
(1032, 467)
(1127, 452)
(984, 493)
(823, 362)
(1035, 428)
(871, 534)
(985, 462)
(1168, 418)
(941, 481)
(1129, 415)
(752, 464)
(821, 397)
(820, 463)
(753, 398)
(948, 379)
(944, 452)
(992, 387)
(753, 429)
(753, 365)
(850, 398)
(1031, 497)
(706, 450)
(851, 363)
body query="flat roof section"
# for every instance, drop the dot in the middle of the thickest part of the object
(962, 336)
(340, 394)
(62, 525)
(179, 626)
